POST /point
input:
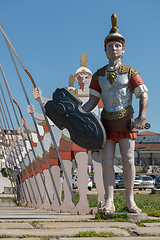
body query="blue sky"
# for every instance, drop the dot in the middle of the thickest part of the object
(50, 36)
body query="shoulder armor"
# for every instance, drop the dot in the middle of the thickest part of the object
(124, 69)
(95, 76)
(43, 123)
(127, 69)
(134, 72)
(100, 72)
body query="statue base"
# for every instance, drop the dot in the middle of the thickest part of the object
(132, 216)
(137, 216)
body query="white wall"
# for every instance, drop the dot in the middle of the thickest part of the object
(148, 138)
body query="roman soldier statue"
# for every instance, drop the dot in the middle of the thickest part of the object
(115, 84)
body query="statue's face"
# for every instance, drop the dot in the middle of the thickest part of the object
(83, 79)
(114, 50)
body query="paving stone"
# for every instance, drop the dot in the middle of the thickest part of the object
(15, 225)
(65, 225)
(125, 225)
(95, 238)
(115, 238)
(155, 231)
(156, 224)
(68, 232)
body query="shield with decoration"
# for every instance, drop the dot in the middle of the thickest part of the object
(65, 111)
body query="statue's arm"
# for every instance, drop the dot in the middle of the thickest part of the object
(37, 93)
(20, 131)
(38, 116)
(29, 127)
(91, 104)
(143, 104)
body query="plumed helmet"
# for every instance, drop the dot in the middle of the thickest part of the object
(83, 67)
(114, 33)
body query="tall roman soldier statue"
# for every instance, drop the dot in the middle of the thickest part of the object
(115, 84)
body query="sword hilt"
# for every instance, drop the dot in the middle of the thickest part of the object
(132, 124)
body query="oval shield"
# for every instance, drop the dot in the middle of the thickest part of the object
(86, 130)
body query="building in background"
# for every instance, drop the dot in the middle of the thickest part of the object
(4, 144)
(147, 150)
(2, 161)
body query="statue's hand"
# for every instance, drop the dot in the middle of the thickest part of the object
(139, 123)
(30, 109)
(37, 92)
(23, 122)
(20, 130)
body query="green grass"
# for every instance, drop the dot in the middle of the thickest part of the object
(5, 236)
(150, 220)
(28, 236)
(140, 224)
(6, 172)
(94, 234)
(116, 217)
(92, 200)
(149, 203)
(99, 215)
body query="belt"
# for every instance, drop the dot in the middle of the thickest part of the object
(117, 114)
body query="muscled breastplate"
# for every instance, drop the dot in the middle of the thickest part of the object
(116, 95)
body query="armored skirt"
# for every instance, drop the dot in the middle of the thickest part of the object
(118, 129)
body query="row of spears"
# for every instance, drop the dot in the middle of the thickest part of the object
(30, 189)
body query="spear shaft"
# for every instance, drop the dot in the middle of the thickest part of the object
(9, 174)
(17, 156)
(13, 166)
(45, 156)
(24, 146)
(41, 105)
(20, 154)
(11, 98)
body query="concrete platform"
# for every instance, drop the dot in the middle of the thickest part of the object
(137, 216)
(17, 222)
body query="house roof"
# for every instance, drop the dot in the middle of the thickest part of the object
(147, 133)
(147, 147)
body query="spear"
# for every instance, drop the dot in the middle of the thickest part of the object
(41, 105)
(20, 154)
(4, 154)
(24, 145)
(12, 161)
(45, 156)
(12, 99)
(16, 153)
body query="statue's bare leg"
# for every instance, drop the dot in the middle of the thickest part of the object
(46, 205)
(67, 203)
(98, 176)
(127, 147)
(107, 158)
(82, 175)
(55, 170)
